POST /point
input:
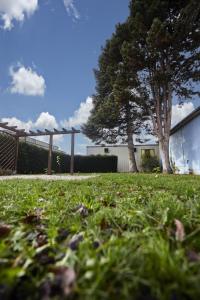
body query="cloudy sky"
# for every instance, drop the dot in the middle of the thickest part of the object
(49, 49)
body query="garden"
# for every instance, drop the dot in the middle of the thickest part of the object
(115, 236)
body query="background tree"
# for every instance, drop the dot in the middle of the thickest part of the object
(116, 115)
(164, 52)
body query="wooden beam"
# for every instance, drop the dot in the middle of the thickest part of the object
(45, 133)
(39, 131)
(72, 153)
(50, 155)
(16, 154)
(48, 131)
(10, 128)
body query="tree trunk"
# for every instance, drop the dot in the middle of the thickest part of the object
(161, 118)
(132, 161)
(164, 153)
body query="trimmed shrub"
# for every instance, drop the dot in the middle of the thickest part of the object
(150, 163)
(95, 164)
(34, 160)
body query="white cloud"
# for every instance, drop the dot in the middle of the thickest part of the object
(48, 121)
(71, 8)
(20, 124)
(45, 120)
(27, 82)
(11, 10)
(179, 112)
(81, 115)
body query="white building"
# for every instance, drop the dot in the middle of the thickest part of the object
(185, 144)
(121, 151)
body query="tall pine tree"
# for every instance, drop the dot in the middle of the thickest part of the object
(116, 115)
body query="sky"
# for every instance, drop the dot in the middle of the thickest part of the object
(49, 49)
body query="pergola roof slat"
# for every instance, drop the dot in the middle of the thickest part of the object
(4, 123)
(12, 129)
(48, 131)
(23, 133)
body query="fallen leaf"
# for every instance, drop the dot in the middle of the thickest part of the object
(62, 235)
(193, 256)
(42, 200)
(61, 193)
(104, 224)
(4, 230)
(31, 219)
(34, 217)
(41, 240)
(119, 194)
(180, 231)
(96, 244)
(75, 241)
(45, 290)
(65, 279)
(82, 210)
(45, 256)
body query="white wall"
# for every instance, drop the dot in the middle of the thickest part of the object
(185, 147)
(122, 153)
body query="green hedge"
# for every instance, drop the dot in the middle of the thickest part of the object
(34, 160)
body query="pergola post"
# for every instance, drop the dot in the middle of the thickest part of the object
(17, 153)
(72, 153)
(50, 155)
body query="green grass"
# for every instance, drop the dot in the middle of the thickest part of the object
(126, 246)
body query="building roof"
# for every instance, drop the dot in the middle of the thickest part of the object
(123, 145)
(195, 113)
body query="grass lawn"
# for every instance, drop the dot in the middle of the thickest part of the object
(110, 237)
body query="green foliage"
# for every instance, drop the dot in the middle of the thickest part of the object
(117, 112)
(96, 164)
(34, 160)
(117, 232)
(150, 164)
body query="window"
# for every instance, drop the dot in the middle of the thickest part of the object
(148, 152)
(106, 150)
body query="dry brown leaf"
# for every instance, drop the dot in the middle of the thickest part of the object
(4, 230)
(193, 256)
(66, 277)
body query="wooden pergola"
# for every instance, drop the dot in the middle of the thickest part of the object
(21, 133)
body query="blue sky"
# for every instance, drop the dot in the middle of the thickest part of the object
(49, 49)
(60, 45)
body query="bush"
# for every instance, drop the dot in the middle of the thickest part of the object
(150, 164)
(34, 160)
(95, 164)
